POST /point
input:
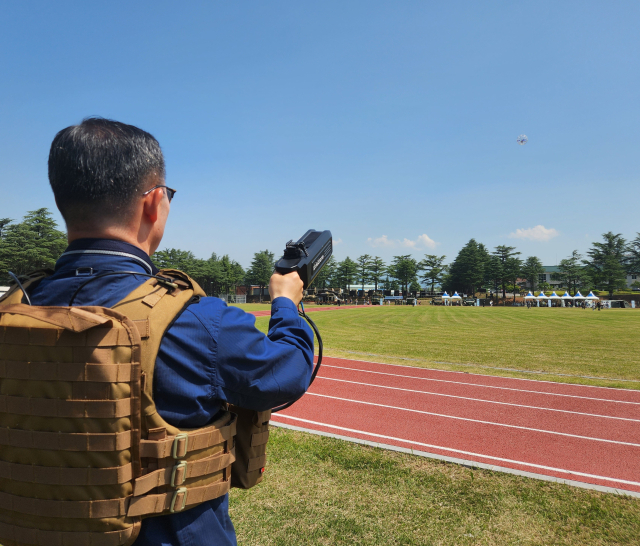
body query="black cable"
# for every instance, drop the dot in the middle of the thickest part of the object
(162, 280)
(24, 292)
(317, 367)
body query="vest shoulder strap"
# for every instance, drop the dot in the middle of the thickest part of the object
(153, 307)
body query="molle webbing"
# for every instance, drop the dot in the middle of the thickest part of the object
(251, 447)
(84, 455)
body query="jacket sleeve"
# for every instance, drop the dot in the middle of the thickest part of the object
(260, 372)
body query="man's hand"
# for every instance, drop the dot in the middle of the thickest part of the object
(286, 286)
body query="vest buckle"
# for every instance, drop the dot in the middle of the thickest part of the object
(176, 442)
(182, 465)
(180, 491)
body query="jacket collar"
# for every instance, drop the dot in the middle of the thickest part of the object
(111, 247)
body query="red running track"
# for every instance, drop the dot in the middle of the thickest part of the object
(572, 433)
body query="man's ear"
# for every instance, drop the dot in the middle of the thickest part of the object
(151, 205)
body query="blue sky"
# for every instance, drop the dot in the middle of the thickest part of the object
(393, 124)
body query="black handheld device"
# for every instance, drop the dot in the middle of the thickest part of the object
(307, 255)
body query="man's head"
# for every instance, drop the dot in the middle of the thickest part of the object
(99, 172)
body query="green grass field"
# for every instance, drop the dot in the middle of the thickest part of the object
(324, 491)
(603, 344)
(330, 492)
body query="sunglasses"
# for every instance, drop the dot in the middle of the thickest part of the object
(169, 191)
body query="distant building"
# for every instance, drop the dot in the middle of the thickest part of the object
(551, 270)
(253, 290)
(547, 276)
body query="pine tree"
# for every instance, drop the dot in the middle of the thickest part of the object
(512, 272)
(377, 271)
(346, 273)
(633, 255)
(173, 258)
(531, 270)
(493, 272)
(405, 269)
(607, 262)
(572, 272)
(364, 267)
(209, 274)
(503, 253)
(467, 271)
(261, 270)
(35, 243)
(434, 269)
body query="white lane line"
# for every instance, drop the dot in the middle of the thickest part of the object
(479, 399)
(583, 484)
(477, 420)
(498, 376)
(430, 446)
(478, 385)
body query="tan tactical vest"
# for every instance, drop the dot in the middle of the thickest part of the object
(84, 455)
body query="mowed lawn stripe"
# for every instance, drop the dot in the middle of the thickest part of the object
(578, 342)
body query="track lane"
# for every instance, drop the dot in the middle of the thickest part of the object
(587, 425)
(396, 387)
(466, 457)
(529, 447)
(511, 401)
(550, 388)
(496, 393)
(573, 433)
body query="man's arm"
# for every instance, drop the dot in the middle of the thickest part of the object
(259, 372)
(280, 365)
(214, 353)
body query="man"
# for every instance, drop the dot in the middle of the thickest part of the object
(108, 180)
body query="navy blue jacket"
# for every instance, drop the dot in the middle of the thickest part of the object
(212, 354)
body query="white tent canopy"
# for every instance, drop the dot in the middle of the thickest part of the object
(529, 296)
(541, 296)
(566, 296)
(554, 296)
(578, 296)
(456, 296)
(445, 296)
(591, 296)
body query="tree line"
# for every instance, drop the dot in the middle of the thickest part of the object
(605, 266)
(36, 243)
